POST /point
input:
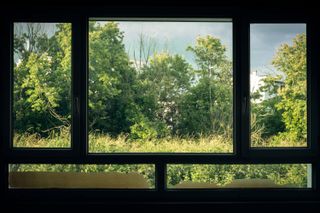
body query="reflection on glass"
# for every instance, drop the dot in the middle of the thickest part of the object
(160, 86)
(41, 85)
(278, 85)
(113, 176)
(184, 176)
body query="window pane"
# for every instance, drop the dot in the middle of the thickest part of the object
(184, 176)
(42, 85)
(113, 176)
(160, 86)
(278, 85)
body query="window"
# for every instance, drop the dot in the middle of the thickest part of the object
(42, 85)
(185, 176)
(278, 85)
(160, 86)
(183, 107)
(81, 176)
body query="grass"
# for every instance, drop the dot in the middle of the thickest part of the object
(61, 139)
(100, 143)
(216, 144)
(103, 143)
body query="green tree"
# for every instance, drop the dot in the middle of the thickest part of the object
(42, 78)
(266, 113)
(164, 81)
(207, 107)
(111, 81)
(291, 60)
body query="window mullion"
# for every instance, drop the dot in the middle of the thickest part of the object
(314, 46)
(161, 176)
(242, 72)
(313, 52)
(79, 42)
(5, 85)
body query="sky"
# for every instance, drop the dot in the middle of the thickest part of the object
(175, 37)
(265, 39)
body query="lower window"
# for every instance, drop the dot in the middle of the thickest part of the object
(111, 176)
(186, 176)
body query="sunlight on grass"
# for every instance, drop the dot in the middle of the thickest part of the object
(215, 144)
(54, 140)
(103, 143)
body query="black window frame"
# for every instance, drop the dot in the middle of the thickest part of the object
(242, 153)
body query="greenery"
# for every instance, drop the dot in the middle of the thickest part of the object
(289, 175)
(283, 116)
(164, 104)
(294, 175)
(146, 170)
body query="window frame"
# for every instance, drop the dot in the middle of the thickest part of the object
(42, 152)
(242, 153)
(311, 108)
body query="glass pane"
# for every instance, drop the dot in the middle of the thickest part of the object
(184, 176)
(160, 86)
(113, 176)
(41, 85)
(278, 85)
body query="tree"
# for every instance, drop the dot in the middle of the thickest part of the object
(42, 78)
(147, 46)
(291, 60)
(111, 80)
(164, 81)
(267, 115)
(207, 107)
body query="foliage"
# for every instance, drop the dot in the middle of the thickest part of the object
(268, 116)
(111, 80)
(162, 105)
(294, 175)
(147, 170)
(283, 174)
(283, 115)
(165, 81)
(207, 106)
(42, 79)
(291, 60)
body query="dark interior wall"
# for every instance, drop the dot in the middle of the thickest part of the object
(168, 207)
(264, 9)
(179, 5)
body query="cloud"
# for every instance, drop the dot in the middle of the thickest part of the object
(176, 36)
(265, 39)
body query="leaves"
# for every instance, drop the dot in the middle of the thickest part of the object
(42, 77)
(291, 60)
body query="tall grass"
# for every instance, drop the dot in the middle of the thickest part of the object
(215, 143)
(100, 143)
(56, 139)
(295, 175)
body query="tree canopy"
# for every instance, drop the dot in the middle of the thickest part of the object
(164, 97)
